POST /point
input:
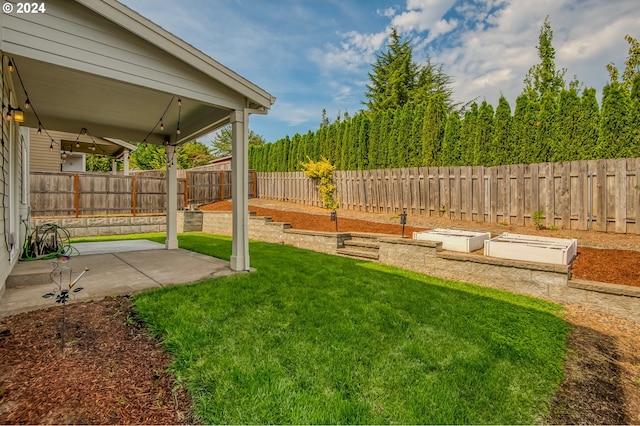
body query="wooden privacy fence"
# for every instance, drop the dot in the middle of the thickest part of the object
(602, 195)
(89, 194)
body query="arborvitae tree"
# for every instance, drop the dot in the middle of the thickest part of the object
(589, 125)
(544, 77)
(414, 149)
(362, 159)
(451, 142)
(615, 120)
(340, 141)
(374, 140)
(469, 134)
(635, 118)
(433, 130)
(323, 144)
(524, 128)
(404, 137)
(482, 139)
(545, 136)
(392, 140)
(392, 77)
(293, 155)
(568, 126)
(385, 131)
(500, 147)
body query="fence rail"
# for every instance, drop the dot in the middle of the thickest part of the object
(603, 195)
(89, 194)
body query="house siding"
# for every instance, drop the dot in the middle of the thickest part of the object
(14, 197)
(75, 37)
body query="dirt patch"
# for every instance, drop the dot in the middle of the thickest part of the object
(110, 371)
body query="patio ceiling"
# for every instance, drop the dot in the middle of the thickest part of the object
(99, 65)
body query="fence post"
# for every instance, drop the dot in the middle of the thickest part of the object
(186, 190)
(76, 184)
(222, 185)
(134, 195)
(255, 184)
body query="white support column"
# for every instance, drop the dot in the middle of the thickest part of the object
(240, 190)
(114, 166)
(125, 162)
(171, 241)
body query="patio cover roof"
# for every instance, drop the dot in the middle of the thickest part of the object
(97, 64)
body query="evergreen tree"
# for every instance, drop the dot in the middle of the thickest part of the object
(431, 79)
(632, 64)
(568, 126)
(635, 118)
(452, 141)
(414, 150)
(545, 135)
(469, 134)
(362, 155)
(500, 147)
(392, 77)
(433, 130)
(615, 120)
(544, 77)
(384, 135)
(374, 141)
(483, 135)
(589, 125)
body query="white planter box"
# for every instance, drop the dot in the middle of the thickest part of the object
(454, 240)
(559, 251)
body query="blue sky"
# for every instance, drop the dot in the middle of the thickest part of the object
(315, 54)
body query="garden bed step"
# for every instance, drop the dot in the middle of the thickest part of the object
(359, 254)
(362, 244)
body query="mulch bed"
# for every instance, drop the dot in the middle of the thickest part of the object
(109, 371)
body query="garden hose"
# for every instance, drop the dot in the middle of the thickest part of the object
(47, 242)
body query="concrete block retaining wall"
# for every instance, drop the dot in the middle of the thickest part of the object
(116, 225)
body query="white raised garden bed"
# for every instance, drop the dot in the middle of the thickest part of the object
(455, 240)
(559, 251)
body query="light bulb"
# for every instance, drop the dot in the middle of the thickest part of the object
(161, 125)
(51, 146)
(39, 128)
(27, 104)
(179, 102)
(10, 66)
(178, 130)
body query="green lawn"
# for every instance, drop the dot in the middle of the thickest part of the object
(314, 338)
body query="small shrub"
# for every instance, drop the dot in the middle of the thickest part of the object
(536, 217)
(322, 171)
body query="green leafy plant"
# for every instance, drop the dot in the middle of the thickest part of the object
(322, 172)
(536, 217)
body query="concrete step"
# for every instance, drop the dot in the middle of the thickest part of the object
(368, 244)
(358, 254)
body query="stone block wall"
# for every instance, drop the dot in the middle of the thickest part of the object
(96, 226)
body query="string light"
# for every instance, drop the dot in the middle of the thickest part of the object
(179, 112)
(161, 125)
(27, 103)
(10, 66)
(39, 128)
(51, 146)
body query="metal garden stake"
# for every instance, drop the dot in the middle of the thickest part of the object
(62, 292)
(403, 220)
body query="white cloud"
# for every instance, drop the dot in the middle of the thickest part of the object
(354, 51)
(421, 15)
(388, 12)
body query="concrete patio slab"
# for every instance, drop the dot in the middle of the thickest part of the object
(113, 269)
